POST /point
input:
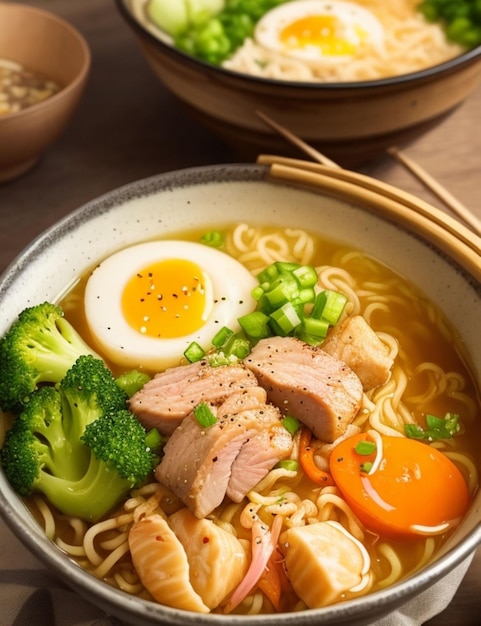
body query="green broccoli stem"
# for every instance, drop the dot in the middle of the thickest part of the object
(56, 352)
(78, 444)
(91, 497)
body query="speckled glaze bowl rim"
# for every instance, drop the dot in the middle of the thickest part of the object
(73, 84)
(431, 73)
(364, 610)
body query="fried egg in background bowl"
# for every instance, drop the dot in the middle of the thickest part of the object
(315, 29)
(147, 303)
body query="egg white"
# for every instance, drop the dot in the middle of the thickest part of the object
(228, 289)
(352, 17)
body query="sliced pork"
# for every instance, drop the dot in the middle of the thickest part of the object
(355, 342)
(171, 395)
(199, 463)
(306, 382)
(258, 455)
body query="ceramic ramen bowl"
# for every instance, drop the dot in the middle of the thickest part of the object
(412, 238)
(349, 122)
(44, 44)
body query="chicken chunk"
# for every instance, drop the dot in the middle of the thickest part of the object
(356, 343)
(327, 555)
(217, 560)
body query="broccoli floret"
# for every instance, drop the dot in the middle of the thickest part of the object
(39, 347)
(118, 442)
(78, 444)
(89, 390)
(36, 442)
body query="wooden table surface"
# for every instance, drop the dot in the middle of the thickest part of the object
(129, 127)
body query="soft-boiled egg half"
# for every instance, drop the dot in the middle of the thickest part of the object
(314, 29)
(145, 304)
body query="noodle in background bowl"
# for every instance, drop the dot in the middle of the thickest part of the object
(350, 122)
(439, 255)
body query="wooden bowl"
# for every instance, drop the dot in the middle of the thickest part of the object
(45, 44)
(349, 122)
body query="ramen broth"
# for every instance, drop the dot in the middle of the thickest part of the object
(393, 307)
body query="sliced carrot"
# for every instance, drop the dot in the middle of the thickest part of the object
(275, 584)
(414, 490)
(308, 464)
(270, 584)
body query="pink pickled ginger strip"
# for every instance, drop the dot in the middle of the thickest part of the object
(264, 542)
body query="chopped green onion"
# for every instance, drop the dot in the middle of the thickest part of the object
(329, 305)
(204, 415)
(306, 275)
(222, 337)
(307, 295)
(257, 292)
(264, 305)
(255, 325)
(365, 448)
(217, 359)
(290, 465)
(154, 439)
(282, 290)
(213, 238)
(291, 424)
(286, 267)
(314, 328)
(285, 319)
(460, 19)
(311, 340)
(239, 347)
(235, 348)
(366, 467)
(194, 352)
(268, 275)
(437, 428)
(287, 305)
(132, 381)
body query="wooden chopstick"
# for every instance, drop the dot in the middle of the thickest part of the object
(297, 141)
(433, 185)
(441, 192)
(454, 238)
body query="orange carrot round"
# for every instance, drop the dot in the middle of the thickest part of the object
(405, 488)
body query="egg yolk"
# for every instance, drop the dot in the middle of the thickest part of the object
(166, 299)
(415, 489)
(325, 32)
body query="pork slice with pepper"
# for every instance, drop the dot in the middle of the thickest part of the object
(306, 382)
(170, 396)
(258, 455)
(198, 460)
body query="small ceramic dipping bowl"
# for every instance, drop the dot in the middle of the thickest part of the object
(350, 122)
(48, 62)
(371, 226)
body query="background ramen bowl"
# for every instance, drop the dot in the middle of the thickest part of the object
(349, 122)
(410, 236)
(43, 43)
